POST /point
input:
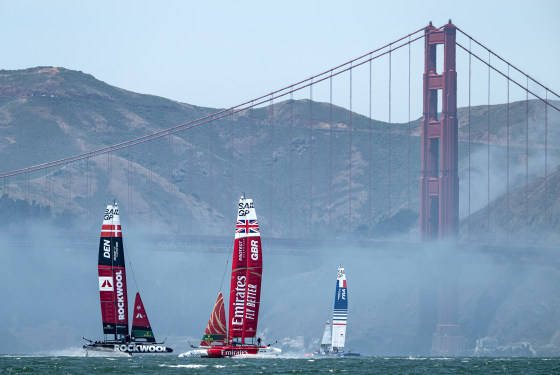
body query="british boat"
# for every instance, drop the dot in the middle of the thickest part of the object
(114, 301)
(240, 339)
(334, 338)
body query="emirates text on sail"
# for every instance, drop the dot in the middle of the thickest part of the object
(239, 301)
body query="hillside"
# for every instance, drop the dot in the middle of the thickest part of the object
(177, 183)
(530, 212)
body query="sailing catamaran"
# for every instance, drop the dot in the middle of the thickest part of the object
(113, 297)
(334, 339)
(244, 297)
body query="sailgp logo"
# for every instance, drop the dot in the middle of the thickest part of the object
(110, 213)
(105, 284)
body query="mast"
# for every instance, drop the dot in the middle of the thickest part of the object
(340, 311)
(246, 274)
(112, 276)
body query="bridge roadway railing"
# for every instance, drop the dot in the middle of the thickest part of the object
(383, 249)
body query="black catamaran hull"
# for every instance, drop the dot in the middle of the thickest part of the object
(128, 348)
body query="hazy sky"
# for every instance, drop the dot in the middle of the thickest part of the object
(222, 53)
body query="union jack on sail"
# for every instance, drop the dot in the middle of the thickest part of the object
(247, 226)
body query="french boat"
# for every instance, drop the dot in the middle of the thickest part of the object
(334, 338)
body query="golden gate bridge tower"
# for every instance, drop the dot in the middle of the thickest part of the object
(439, 181)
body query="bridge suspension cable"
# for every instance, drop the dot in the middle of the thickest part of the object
(350, 130)
(492, 67)
(507, 75)
(248, 105)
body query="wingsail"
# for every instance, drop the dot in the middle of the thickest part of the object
(112, 276)
(246, 274)
(141, 329)
(216, 330)
(340, 314)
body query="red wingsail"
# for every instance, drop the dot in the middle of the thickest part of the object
(141, 329)
(112, 276)
(246, 274)
(215, 333)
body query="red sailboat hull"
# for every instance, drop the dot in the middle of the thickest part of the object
(227, 351)
(231, 351)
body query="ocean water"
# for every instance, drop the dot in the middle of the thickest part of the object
(170, 364)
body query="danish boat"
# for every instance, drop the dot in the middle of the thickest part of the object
(244, 297)
(114, 301)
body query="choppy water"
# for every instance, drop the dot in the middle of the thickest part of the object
(170, 364)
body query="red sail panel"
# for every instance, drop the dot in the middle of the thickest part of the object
(246, 274)
(216, 330)
(238, 288)
(112, 276)
(253, 296)
(141, 329)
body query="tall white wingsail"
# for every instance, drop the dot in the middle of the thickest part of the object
(340, 314)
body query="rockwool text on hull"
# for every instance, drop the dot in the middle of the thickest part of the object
(128, 348)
